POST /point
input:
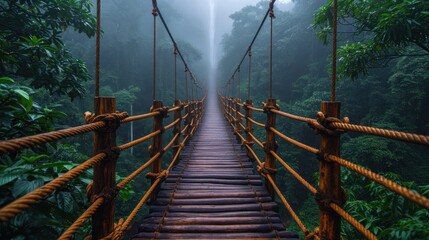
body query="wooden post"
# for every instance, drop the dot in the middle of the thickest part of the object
(187, 119)
(330, 178)
(238, 117)
(249, 128)
(270, 142)
(156, 146)
(104, 173)
(177, 126)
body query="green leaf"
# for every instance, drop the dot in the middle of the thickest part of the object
(55, 164)
(7, 178)
(6, 80)
(65, 201)
(22, 187)
(25, 101)
(32, 159)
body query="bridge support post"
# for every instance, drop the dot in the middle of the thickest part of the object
(192, 112)
(188, 119)
(270, 143)
(232, 112)
(178, 126)
(238, 118)
(156, 146)
(104, 183)
(330, 178)
(249, 129)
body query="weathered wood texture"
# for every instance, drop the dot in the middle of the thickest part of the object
(213, 192)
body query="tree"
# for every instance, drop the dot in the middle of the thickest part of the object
(384, 31)
(31, 44)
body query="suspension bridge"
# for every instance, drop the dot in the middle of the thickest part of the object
(216, 186)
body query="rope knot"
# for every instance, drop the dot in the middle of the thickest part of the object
(271, 13)
(264, 170)
(267, 108)
(155, 8)
(163, 112)
(112, 120)
(163, 174)
(325, 124)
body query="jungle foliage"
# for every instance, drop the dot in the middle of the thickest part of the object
(383, 82)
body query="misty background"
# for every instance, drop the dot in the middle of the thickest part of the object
(213, 35)
(389, 90)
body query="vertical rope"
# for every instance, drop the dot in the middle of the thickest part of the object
(271, 46)
(175, 72)
(155, 14)
(97, 51)
(192, 88)
(239, 82)
(250, 71)
(334, 50)
(186, 83)
(232, 86)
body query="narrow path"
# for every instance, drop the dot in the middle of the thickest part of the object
(213, 192)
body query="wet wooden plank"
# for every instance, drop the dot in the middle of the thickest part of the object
(213, 192)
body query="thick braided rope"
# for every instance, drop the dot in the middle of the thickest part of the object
(17, 206)
(139, 117)
(408, 137)
(294, 142)
(119, 231)
(128, 179)
(256, 122)
(25, 142)
(168, 146)
(82, 219)
(355, 223)
(401, 190)
(256, 140)
(294, 173)
(287, 205)
(137, 141)
(291, 116)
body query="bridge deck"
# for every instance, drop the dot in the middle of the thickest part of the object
(213, 192)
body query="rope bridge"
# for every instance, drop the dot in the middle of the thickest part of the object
(210, 187)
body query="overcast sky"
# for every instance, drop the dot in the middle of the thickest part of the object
(208, 26)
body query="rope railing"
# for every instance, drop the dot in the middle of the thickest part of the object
(103, 124)
(329, 128)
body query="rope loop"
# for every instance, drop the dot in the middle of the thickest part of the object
(267, 109)
(112, 120)
(271, 13)
(163, 112)
(155, 8)
(161, 175)
(324, 202)
(109, 194)
(268, 149)
(323, 124)
(264, 170)
(162, 130)
(314, 233)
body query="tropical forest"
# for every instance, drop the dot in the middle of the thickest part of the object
(57, 57)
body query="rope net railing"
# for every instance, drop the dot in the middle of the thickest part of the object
(329, 128)
(106, 153)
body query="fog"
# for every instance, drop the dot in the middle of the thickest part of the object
(204, 23)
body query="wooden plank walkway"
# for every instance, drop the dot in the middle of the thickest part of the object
(213, 192)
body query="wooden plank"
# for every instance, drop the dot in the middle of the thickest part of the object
(213, 192)
(247, 236)
(211, 220)
(213, 200)
(210, 208)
